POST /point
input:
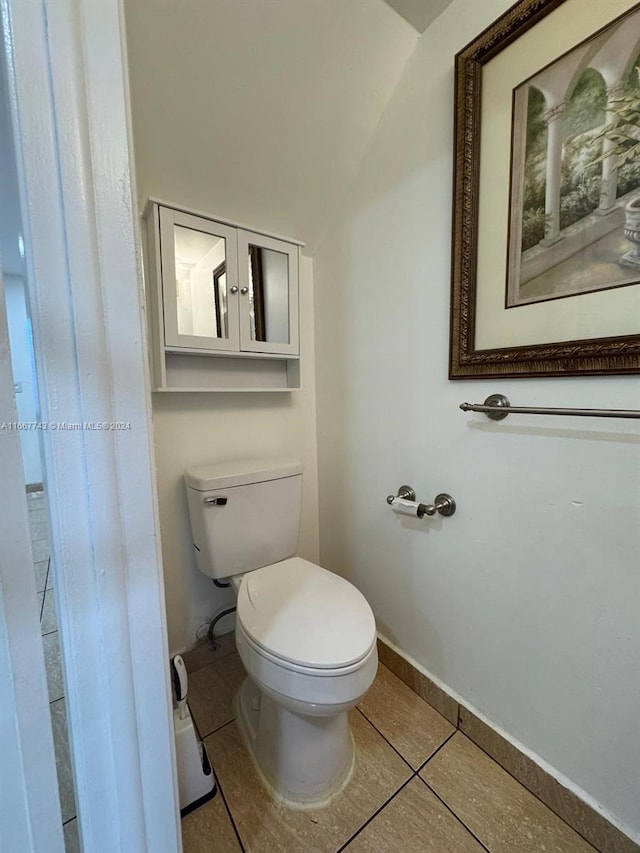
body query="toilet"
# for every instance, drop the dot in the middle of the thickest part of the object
(306, 636)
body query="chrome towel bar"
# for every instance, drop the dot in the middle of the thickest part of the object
(497, 406)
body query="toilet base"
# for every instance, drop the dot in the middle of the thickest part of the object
(304, 761)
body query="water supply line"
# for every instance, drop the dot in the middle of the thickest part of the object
(211, 637)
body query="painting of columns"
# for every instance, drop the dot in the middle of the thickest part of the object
(575, 173)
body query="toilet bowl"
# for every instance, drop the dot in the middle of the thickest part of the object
(307, 640)
(306, 636)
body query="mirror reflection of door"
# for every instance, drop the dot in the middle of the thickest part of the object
(220, 300)
(201, 310)
(269, 295)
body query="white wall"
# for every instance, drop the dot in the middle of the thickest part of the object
(257, 112)
(193, 429)
(526, 602)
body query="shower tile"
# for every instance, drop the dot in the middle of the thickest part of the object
(415, 821)
(48, 620)
(208, 827)
(202, 654)
(494, 806)
(212, 690)
(423, 686)
(63, 759)
(53, 665)
(410, 725)
(265, 826)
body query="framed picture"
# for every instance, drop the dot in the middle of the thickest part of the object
(546, 222)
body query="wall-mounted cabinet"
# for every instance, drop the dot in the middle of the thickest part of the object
(223, 304)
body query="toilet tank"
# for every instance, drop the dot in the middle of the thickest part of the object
(244, 514)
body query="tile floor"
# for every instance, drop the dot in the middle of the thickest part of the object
(419, 784)
(38, 524)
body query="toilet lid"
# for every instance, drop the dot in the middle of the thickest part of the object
(306, 615)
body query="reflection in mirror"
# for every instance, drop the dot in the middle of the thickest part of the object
(220, 300)
(201, 283)
(269, 295)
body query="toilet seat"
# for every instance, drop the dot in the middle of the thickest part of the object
(304, 689)
(326, 672)
(304, 618)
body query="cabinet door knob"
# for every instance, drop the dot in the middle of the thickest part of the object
(233, 289)
(244, 290)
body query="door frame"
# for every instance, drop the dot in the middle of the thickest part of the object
(69, 91)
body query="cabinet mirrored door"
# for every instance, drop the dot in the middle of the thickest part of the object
(268, 279)
(199, 280)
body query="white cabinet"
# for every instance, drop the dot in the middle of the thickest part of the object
(223, 304)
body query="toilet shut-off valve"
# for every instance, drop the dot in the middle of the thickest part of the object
(404, 503)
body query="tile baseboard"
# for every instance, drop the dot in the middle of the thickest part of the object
(419, 683)
(580, 816)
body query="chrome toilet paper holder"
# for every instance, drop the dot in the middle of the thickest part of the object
(443, 503)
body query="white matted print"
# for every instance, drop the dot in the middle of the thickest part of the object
(574, 224)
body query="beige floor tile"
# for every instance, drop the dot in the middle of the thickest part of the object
(212, 690)
(38, 523)
(411, 725)
(72, 837)
(209, 828)
(41, 570)
(48, 620)
(264, 825)
(202, 654)
(63, 759)
(415, 821)
(53, 665)
(36, 502)
(567, 805)
(40, 550)
(495, 807)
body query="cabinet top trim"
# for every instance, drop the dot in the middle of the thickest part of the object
(172, 206)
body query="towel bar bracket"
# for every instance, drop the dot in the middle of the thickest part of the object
(497, 401)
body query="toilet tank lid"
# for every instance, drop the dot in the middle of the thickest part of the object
(242, 472)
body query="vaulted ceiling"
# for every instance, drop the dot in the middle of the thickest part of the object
(419, 13)
(260, 112)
